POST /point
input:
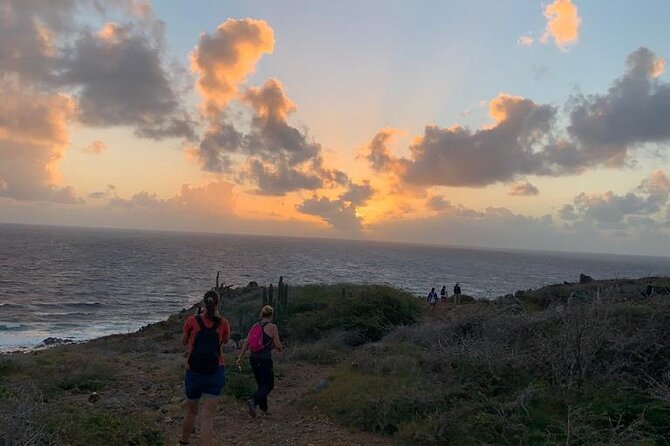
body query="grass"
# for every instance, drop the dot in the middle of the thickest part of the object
(90, 426)
(532, 370)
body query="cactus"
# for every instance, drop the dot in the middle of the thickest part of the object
(281, 304)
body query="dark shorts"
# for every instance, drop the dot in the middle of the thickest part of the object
(210, 386)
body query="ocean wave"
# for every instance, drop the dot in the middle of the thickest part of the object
(71, 305)
(12, 326)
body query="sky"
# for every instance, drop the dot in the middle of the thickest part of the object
(509, 124)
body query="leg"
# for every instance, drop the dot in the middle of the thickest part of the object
(256, 369)
(267, 383)
(207, 420)
(189, 420)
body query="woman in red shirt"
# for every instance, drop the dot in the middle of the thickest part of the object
(205, 374)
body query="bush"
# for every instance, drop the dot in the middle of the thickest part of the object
(366, 312)
(240, 385)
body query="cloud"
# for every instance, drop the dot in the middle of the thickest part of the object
(29, 31)
(33, 137)
(110, 191)
(222, 60)
(378, 153)
(525, 138)
(121, 80)
(634, 111)
(456, 156)
(523, 189)
(213, 199)
(95, 148)
(281, 178)
(280, 158)
(525, 40)
(358, 194)
(563, 23)
(338, 214)
(612, 211)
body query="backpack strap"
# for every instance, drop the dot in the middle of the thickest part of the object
(201, 323)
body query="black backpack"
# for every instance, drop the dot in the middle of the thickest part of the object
(204, 357)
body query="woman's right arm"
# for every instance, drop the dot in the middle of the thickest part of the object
(242, 351)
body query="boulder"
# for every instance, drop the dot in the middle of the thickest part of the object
(583, 278)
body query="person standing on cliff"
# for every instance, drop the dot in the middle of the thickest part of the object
(457, 293)
(205, 377)
(432, 298)
(443, 294)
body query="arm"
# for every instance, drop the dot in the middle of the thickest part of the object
(243, 350)
(186, 332)
(275, 339)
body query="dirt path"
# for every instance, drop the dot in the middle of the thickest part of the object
(286, 425)
(152, 380)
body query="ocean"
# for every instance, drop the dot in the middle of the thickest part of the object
(81, 283)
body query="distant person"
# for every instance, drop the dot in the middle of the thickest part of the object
(262, 338)
(205, 368)
(443, 294)
(432, 298)
(457, 293)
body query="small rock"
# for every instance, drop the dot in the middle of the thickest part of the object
(93, 397)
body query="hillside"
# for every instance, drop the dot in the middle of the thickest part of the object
(566, 364)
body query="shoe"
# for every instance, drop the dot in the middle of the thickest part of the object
(252, 408)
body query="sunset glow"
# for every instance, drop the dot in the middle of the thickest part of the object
(378, 121)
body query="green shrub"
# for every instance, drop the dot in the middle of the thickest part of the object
(239, 385)
(90, 426)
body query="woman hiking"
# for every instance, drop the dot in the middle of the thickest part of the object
(205, 336)
(262, 338)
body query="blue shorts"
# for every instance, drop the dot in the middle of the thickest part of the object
(197, 384)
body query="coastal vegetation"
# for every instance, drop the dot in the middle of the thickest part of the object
(571, 364)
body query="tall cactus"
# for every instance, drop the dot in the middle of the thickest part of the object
(281, 304)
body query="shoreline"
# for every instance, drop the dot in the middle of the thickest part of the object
(53, 340)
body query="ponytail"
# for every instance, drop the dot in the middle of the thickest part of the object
(211, 300)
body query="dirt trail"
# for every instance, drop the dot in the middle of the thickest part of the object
(286, 425)
(152, 377)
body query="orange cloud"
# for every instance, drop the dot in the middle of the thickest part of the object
(526, 41)
(563, 23)
(33, 138)
(223, 60)
(269, 101)
(502, 105)
(658, 67)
